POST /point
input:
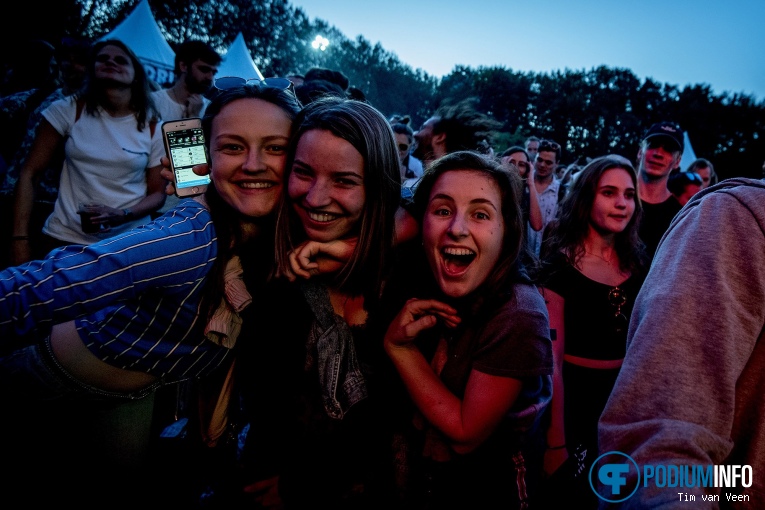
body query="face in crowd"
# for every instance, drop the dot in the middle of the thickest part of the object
(545, 163)
(657, 157)
(614, 203)
(424, 141)
(520, 161)
(113, 65)
(463, 229)
(326, 186)
(248, 144)
(199, 76)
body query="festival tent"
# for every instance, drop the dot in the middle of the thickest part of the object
(238, 62)
(140, 32)
(688, 156)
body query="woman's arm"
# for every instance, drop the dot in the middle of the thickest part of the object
(556, 452)
(535, 212)
(41, 154)
(466, 422)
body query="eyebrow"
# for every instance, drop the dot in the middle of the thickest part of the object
(483, 201)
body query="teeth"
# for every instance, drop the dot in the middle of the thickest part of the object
(457, 251)
(321, 217)
(256, 185)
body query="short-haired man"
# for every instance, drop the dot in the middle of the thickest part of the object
(532, 147)
(454, 128)
(660, 152)
(196, 63)
(547, 187)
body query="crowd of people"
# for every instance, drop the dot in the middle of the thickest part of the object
(357, 314)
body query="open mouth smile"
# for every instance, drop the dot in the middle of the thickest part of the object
(457, 260)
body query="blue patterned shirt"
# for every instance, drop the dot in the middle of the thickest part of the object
(134, 297)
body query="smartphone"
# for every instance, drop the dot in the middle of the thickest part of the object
(185, 146)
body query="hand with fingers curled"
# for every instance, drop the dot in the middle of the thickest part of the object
(312, 258)
(416, 316)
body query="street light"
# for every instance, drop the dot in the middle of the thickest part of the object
(320, 43)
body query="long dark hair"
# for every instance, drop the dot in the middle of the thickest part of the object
(509, 268)
(369, 132)
(256, 254)
(569, 231)
(141, 101)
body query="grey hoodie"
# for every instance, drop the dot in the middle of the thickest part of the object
(692, 387)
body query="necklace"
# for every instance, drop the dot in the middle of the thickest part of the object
(607, 261)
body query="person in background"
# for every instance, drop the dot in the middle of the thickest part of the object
(454, 127)
(683, 185)
(411, 167)
(196, 64)
(34, 74)
(102, 326)
(660, 151)
(72, 57)
(112, 148)
(705, 169)
(472, 348)
(708, 409)
(547, 188)
(516, 159)
(592, 268)
(532, 147)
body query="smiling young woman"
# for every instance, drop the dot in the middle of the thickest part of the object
(472, 349)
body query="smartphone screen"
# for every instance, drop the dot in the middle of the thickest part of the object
(186, 148)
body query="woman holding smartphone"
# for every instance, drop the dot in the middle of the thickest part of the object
(114, 320)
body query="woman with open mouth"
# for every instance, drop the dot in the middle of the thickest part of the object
(473, 347)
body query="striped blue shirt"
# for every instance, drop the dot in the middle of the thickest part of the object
(134, 297)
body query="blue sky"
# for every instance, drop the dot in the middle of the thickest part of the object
(719, 43)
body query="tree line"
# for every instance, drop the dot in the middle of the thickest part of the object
(589, 112)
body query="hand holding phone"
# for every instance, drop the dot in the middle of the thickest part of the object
(185, 147)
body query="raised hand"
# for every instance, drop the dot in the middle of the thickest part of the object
(416, 316)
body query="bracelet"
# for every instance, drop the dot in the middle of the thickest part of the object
(20, 238)
(557, 447)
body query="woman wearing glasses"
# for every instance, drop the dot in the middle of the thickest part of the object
(593, 266)
(112, 147)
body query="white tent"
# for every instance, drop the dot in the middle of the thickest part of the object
(140, 32)
(238, 62)
(688, 156)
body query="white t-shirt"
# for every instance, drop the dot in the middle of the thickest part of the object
(170, 110)
(106, 161)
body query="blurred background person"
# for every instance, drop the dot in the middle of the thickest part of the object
(705, 169)
(196, 64)
(411, 167)
(111, 172)
(683, 185)
(72, 56)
